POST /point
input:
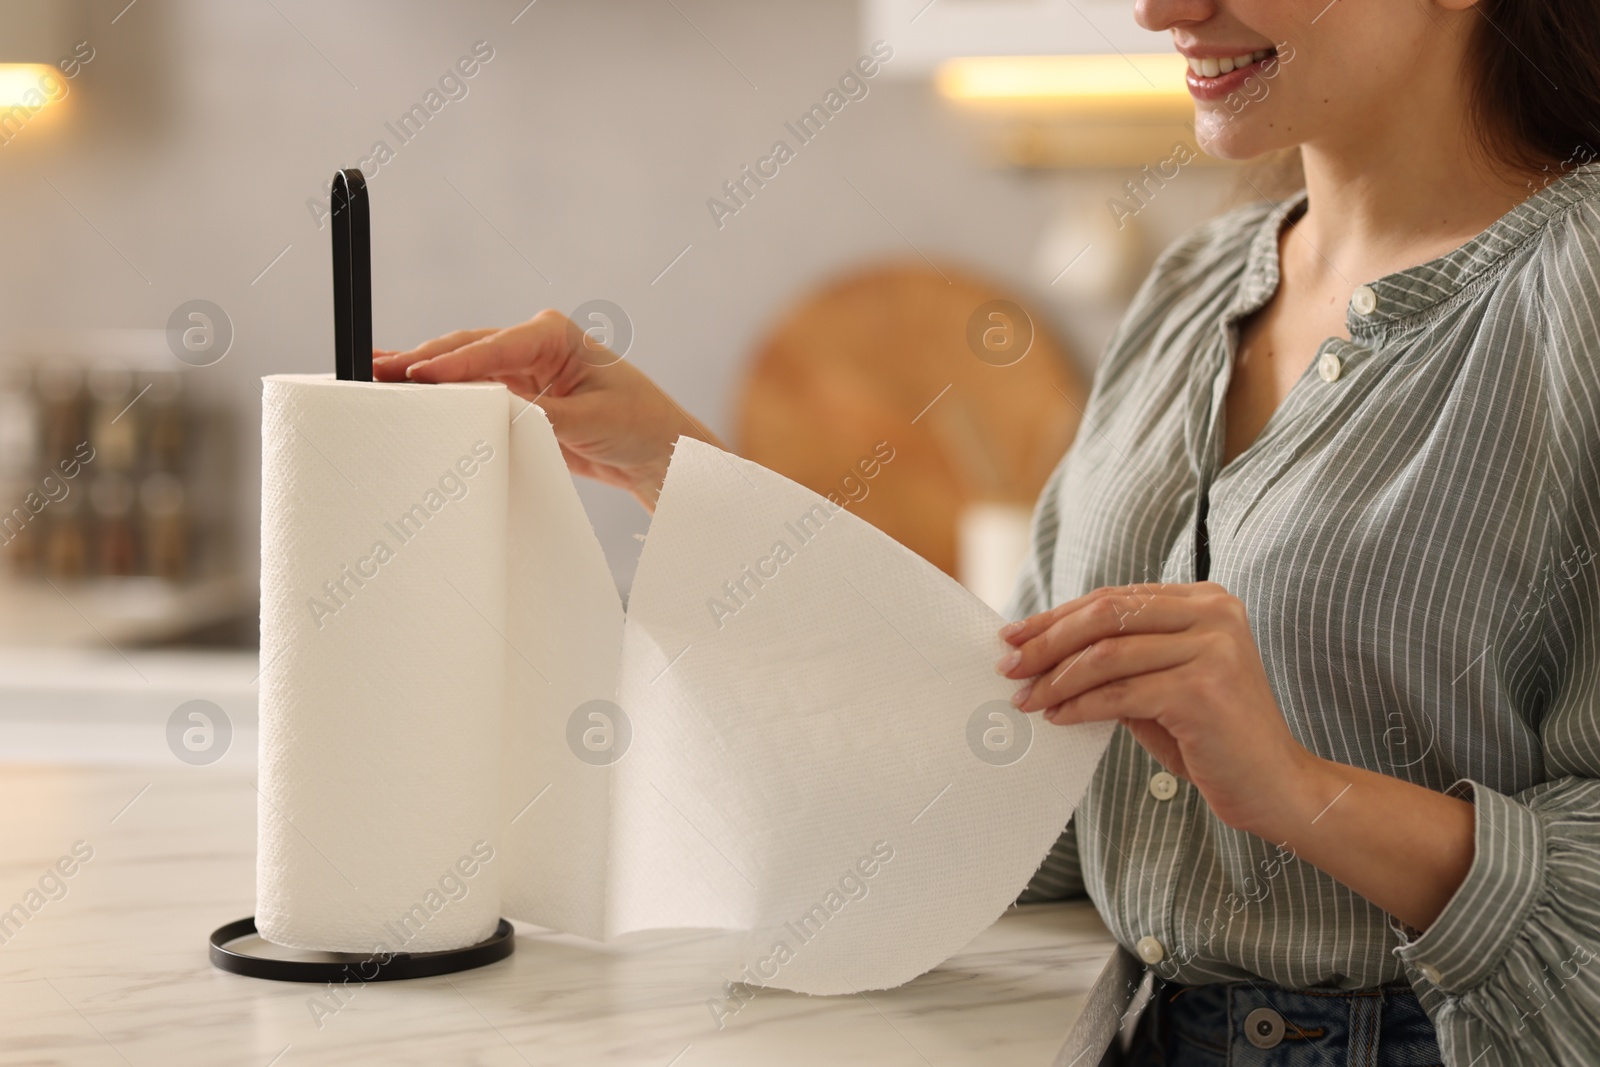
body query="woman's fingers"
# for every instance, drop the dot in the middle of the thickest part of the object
(548, 350)
(541, 349)
(388, 366)
(1108, 662)
(611, 421)
(1025, 629)
(448, 343)
(1105, 613)
(1141, 698)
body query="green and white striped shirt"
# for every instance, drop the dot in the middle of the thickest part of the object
(1414, 535)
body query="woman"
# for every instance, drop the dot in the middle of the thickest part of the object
(1336, 576)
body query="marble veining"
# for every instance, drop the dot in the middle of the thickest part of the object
(114, 971)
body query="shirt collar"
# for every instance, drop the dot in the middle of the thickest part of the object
(1406, 294)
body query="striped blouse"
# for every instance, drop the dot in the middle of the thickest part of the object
(1413, 535)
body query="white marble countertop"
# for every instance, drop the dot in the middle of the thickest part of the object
(115, 970)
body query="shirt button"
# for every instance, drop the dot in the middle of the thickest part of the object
(1163, 786)
(1364, 300)
(1431, 973)
(1150, 950)
(1328, 366)
(1264, 1028)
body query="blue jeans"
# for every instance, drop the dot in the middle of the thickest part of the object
(1254, 1024)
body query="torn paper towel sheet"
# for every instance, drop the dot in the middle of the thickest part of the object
(796, 733)
(809, 700)
(563, 643)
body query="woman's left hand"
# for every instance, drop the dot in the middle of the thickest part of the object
(1178, 666)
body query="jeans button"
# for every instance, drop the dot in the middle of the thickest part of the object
(1264, 1028)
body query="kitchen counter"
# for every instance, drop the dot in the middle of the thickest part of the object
(105, 706)
(115, 971)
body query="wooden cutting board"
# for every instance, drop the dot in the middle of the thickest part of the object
(887, 359)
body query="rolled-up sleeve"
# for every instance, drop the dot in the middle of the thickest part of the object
(1513, 961)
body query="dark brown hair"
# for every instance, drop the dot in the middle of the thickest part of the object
(1536, 91)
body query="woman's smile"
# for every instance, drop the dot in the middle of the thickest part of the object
(1212, 76)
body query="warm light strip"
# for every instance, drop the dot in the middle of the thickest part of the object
(1138, 81)
(30, 85)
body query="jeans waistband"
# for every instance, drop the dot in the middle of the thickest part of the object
(1256, 1024)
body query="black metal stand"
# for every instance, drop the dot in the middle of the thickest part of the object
(238, 948)
(352, 277)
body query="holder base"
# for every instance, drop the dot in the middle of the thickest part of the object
(238, 948)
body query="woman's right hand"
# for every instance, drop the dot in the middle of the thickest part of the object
(613, 423)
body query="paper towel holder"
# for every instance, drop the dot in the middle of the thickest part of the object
(238, 947)
(259, 958)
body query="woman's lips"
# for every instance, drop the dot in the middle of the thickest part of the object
(1215, 87)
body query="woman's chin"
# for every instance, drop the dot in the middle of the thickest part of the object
(1224, 136)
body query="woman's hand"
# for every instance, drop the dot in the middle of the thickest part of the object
(1177, 665)
(613, 423)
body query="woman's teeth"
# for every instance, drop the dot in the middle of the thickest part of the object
(1211, 68)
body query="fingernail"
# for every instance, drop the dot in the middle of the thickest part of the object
(1008, 662)
(411, 368)
(1011, 629)
(1021, 695)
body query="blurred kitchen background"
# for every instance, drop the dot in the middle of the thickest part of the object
(937, 268)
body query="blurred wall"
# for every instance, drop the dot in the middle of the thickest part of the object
(577, 166)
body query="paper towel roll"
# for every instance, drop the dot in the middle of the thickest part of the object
(796, 732)
(383, 579)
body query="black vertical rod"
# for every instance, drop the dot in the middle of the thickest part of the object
(352, 277)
